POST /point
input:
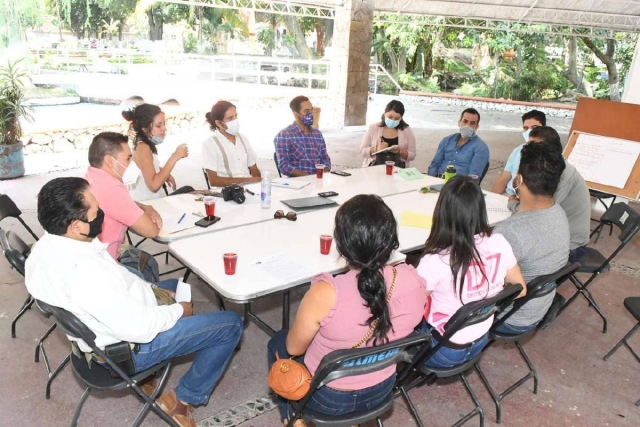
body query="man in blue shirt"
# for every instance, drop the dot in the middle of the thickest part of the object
(465, 150)
(530, 120)
(300, 147)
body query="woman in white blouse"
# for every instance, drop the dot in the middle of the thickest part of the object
(227, 156)
(392, 131)
(145, 177)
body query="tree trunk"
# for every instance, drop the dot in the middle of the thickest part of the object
(298, 36)
(402, 61)
(200, 18)
(59, 19)
(393, 59)
(572, 69)
(319, 41)
(327, 32)
(154, 16)
(610, 63)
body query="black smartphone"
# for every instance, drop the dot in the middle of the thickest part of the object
(340, 173)
(207, 221)
(328, 194)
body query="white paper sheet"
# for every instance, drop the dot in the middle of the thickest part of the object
(282, 267)
(183, 292)
(171, 225)
(604, 160)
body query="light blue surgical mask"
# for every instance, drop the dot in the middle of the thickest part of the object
(156, 140)
(525, 135)
(391, 123)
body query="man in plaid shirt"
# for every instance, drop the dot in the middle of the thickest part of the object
(300, 147)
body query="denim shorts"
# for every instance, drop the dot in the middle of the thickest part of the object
(448, 357)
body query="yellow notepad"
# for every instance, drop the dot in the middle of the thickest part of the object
(415, 219)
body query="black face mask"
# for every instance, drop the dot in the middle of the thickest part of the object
(95, 226)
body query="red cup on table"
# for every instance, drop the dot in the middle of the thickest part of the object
(230, 262)
(319, 171)
(210, 206)
(389, 165)
(325, 244)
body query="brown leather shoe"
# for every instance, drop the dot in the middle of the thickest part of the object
(148, 386)
(178, 411)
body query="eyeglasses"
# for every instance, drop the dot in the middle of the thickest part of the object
(291, 216)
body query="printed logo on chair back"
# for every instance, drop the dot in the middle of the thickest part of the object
(372, 358)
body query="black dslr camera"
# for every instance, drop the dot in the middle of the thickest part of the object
(233, 192)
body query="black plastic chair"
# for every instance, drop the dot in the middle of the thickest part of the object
(275, 160)
(539, 287)
(632, 304)
(593, 262)
(484, 173)
(9, 209)
(417, 374)
(16, 251)
(100, 378)
(601, 197)
(347, 363)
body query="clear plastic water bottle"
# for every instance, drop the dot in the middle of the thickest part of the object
(265, 191)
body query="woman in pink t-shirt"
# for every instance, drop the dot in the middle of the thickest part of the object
(337, 312)
(463, 261)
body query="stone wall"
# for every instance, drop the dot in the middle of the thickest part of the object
(490, 104)
(62, 141)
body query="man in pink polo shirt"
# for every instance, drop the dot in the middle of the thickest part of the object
(109, 157)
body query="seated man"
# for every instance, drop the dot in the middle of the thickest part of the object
(530, 120)
(572, 195)
(539, 232)
(300, 147)
(227, 156)
(69, 269)
(464, 150)
(109, 157)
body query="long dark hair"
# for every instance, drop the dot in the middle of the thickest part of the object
(398, 107)
(217, 112)
(459, 216)
(141, 119)
(366, 233)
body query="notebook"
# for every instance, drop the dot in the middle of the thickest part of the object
(295, 184)
(415, 219)
(307, 203)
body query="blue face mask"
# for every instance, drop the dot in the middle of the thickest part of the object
(525, 135)
(391, 123)
(156, 140)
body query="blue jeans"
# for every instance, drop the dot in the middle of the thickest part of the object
(448, 357)
(506, 328)
(168, 284)
(328, 400)
(212, 336)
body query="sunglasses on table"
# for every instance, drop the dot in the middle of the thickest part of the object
(291, 216)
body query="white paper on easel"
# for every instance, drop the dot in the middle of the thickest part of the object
(604, 160)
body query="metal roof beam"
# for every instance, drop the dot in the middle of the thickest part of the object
(279, 7)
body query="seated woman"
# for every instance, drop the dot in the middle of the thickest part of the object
(145, 177)
(463, 261)
(392, 131)
(227, 156)
(337, 312)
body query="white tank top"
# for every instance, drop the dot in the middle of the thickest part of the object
(134, 181)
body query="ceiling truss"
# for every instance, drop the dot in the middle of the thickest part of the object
(279, 7)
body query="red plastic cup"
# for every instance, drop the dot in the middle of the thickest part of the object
(325, 244)
(389, 166)
(319, 171)
(210, 206)
(230, 261)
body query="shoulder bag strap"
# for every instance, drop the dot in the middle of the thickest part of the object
(374, 324)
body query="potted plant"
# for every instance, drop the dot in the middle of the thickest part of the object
(12, 110)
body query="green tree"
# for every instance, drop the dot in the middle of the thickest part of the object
(17, 17)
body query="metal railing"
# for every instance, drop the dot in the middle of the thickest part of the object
(236, 68)
(378, 72)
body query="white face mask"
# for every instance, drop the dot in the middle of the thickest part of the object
(515, 187)
(525, 135)
(467, 132)
(233, 127)
(121, 165)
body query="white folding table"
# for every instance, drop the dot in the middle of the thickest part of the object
(297, 242)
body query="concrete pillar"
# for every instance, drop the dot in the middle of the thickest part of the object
(632, 85)
(349, 85)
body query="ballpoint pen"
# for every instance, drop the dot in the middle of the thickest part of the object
(182, 217)
(249, 191)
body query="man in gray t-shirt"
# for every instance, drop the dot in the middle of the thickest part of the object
(539, 231)
(572, 195)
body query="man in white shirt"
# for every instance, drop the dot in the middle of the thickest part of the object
(71, 269)
(227, 156)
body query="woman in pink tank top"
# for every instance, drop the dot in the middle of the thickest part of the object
(336, 312)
